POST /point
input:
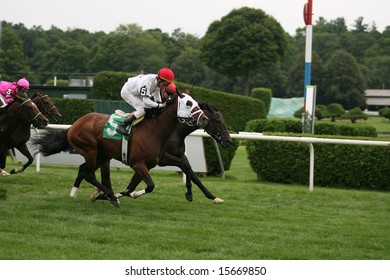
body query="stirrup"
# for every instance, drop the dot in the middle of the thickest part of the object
(120, 129)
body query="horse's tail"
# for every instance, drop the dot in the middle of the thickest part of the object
(51, 141)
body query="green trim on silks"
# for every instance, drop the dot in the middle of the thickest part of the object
(109, 128)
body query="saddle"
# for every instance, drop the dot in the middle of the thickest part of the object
(120, 113)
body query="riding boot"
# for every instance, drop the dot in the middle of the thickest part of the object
(121, 128)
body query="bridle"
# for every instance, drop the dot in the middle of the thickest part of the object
(49, 111)
(219, 134)
(192, 120)
(34, 120)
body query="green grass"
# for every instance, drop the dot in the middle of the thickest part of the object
(257, 221)
(381, 124)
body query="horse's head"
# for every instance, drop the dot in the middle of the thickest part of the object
(216, 125)
(46, 105)
(23, 108)
(189, 112)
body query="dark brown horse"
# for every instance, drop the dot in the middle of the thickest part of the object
(174, 154)
(21, 132)
(146, 144)
(22, 109)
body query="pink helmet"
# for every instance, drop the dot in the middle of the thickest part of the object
(23, 83)
(166, 74)
(171, 88)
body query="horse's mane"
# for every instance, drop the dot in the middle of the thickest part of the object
(207, 106)
(35, 94)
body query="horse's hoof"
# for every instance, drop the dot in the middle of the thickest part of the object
(115, 203)
(4, 173)
(118, 195)
(189, 197)
(217, 200)
(133, 195)
(95, 195)
(73, 192)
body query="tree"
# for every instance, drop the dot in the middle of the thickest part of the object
(334, 111)
(188, 67)
(242, 42)
(354, 115)
(343, 83)
(11, 55)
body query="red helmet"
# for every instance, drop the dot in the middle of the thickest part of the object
(166, 74)
(171, 88)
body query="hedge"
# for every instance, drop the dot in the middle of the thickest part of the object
(336, 165)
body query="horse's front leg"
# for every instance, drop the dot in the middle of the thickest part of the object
(24, 150)
(171, 160)
(3, 158)
(134, 182)
(186, 167)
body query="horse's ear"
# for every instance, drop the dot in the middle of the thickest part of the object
(187, 91)
(179, 93)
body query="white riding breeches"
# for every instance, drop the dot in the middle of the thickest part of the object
(133, 100)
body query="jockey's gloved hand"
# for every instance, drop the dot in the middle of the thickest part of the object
(162, 105)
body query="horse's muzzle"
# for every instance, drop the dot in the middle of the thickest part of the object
(202, 120)
(41, 123)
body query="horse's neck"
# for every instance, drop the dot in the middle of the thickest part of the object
(183, 130)
(20, 132)
(7, 125)
(166, 123)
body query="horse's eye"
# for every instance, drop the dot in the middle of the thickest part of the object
(189, 103)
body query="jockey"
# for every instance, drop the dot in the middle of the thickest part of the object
(9, 89)
(144, 91)
(171, 89)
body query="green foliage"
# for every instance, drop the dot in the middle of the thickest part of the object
(108, 85)
(59, 83)
(264, 94)
(344, 83)
(254, 40)
(227, 155)
(288, 125)
(72, 109)
(358, 166)
(244, 41)
(334, 111)
(355, 114)
(385, 112)
(288, 162)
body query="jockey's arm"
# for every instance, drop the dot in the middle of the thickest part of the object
(149, 103)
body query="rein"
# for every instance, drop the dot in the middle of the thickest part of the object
(46, 111)
(37, 115)
(218, 135)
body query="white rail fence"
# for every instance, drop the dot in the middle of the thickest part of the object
(259, 136)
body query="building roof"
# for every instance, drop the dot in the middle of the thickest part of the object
(377, 97)
(377, 93)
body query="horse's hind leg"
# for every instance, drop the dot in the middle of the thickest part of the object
(80, 177)
(91, 178)
(24, 150)
(106, 181)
